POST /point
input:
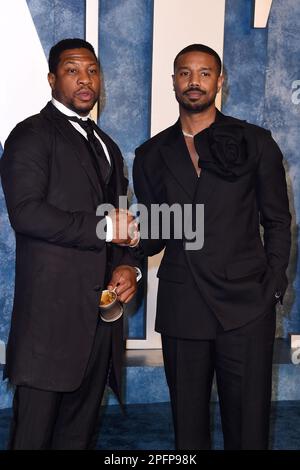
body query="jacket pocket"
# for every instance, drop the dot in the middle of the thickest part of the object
(245, 267)
(172, 273)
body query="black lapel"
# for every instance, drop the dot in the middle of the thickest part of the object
(176, 156)
(76, 142)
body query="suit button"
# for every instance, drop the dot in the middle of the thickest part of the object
(97, 288)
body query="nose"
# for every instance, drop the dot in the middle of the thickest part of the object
(194, 80)
(84, 77)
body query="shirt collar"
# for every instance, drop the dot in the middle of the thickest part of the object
(68, 112)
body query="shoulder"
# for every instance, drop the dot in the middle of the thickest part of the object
(30, 140)
(255, 130)
(262, 139)
(260, 142)
(260, 133)
(33, 128)
(259, 139)
(32, 123)
(152, 145)
(149, 151)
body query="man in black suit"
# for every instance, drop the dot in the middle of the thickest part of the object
(57, 168)
(216, 305)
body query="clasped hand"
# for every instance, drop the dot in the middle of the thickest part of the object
(125, 228)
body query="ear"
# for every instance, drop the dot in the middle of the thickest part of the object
(173, 81)
(220, 82)
(51, 80)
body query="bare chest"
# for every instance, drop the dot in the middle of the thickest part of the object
(193, 154)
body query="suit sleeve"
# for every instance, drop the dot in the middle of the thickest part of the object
(146, 196)
(274, 210)
(25, 174)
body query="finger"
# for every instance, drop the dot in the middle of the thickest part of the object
(128, 285)
(128, 295)
(122, 288)
(115, 279)
(118, 274)
(112, 285)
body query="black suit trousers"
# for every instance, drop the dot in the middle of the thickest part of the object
(242, 362)
(53, 420)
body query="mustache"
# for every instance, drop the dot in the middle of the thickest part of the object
(85, 88)
(193, 88)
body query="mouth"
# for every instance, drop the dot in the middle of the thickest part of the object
(85, 95)
(194, 94)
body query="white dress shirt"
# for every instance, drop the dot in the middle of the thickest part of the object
(68, 112)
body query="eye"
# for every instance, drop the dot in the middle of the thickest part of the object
(93, 71)
(71, 70)
(205, 74)
(184, 73)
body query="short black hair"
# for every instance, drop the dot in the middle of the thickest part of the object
(65, 44)
(200, 48)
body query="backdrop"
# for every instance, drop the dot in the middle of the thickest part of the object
(261, 66)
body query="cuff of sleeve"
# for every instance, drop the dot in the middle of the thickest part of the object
(109, 229)
(135, 245)
(138, 274)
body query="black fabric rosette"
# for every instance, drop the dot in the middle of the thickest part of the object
(224, 149)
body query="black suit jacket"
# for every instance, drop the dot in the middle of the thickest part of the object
(242, 185)
(52, 192)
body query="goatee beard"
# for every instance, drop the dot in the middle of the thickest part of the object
(195, 108)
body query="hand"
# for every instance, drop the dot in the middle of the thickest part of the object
(134, 234)
(124, 280)
(125, 228)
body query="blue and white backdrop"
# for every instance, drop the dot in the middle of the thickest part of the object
(137, 41)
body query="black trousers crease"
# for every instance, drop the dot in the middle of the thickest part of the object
(55, 420)
(241, 360)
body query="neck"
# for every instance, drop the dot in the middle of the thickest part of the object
(66, 110)
(193, 123)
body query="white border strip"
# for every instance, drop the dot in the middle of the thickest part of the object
(24, 88)
(92, 34)
(262, 10)
(195, 21)
(92, 22)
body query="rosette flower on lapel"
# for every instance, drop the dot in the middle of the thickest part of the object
(224, 149)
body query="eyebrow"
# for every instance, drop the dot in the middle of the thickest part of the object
(186, 67)
(74, 62)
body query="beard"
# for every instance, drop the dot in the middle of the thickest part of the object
(195, 107)
(82, 108)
